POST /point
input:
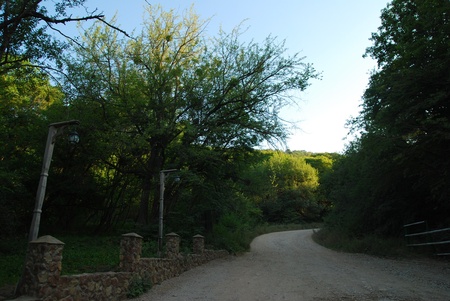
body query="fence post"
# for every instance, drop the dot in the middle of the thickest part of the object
(130, 252)
(172, 245)
(198, 244)
(42, 266)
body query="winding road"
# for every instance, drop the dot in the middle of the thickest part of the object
(291, 266)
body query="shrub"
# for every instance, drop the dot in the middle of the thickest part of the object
(139, 286)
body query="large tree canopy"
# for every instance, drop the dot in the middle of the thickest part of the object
(408, 100)
(397, 171)
(409, 95)
(171, 88)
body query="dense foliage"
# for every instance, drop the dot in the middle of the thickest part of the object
(398, 170)
(28, 28)
(286, 187)
(168, 98)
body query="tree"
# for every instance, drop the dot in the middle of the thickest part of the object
(24, 31)
(408, 99)
(26, 96)
(84, 191)
(284, 186)
(396, 171)
(171, 89)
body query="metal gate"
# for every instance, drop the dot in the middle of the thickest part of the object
(417, 234)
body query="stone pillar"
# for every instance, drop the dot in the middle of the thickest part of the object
(172, 245)
(130, 252)
(198, 244)
(42, 267)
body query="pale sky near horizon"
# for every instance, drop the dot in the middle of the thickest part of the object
(330, 34)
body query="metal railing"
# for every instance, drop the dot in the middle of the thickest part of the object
(417, 235)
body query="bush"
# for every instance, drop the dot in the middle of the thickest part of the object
(139, 286)
(230, 233)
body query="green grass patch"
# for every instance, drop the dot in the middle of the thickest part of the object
(81, 254)
(12, 257)
(370, 244)
(90, 254)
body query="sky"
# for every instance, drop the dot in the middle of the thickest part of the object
(331, 34)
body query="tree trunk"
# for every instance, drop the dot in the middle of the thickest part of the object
(142, 218)
(154, 165)
(154, 215)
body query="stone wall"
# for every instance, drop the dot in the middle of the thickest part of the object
(42, 274)
(96, 286)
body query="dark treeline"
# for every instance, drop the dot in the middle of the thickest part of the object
(397, 171)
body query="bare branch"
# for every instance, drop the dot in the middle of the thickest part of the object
(63, 21)
(115, 28)
(64, 35)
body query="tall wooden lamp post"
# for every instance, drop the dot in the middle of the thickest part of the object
(54, 130)
(162, 180)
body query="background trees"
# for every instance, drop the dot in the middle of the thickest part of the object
(285, 186)
(395, 172)
(169, 97)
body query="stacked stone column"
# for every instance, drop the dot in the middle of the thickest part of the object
(172, 245)
(130, 252)
(198, 244)
(42, 267)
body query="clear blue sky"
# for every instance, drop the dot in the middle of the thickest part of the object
(331, 34)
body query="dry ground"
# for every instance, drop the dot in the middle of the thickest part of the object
(290, 266)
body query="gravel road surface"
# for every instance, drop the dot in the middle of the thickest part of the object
(290, 266)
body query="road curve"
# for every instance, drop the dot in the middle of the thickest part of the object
(290, 266)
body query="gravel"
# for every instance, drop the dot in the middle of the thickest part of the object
(291, 266)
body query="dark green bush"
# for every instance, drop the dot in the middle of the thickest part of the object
(139, 286)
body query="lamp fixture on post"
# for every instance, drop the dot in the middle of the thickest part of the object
(162, 180)
(54, 130)
(73, 138)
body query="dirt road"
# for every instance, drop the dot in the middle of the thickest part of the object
(290, 266)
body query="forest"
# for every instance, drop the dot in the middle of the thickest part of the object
(169, 98)
(173, 98)
(397, 171)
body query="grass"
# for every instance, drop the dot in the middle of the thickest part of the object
(371, 244)
(81, 254)
(88, 254)
(12, 256)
